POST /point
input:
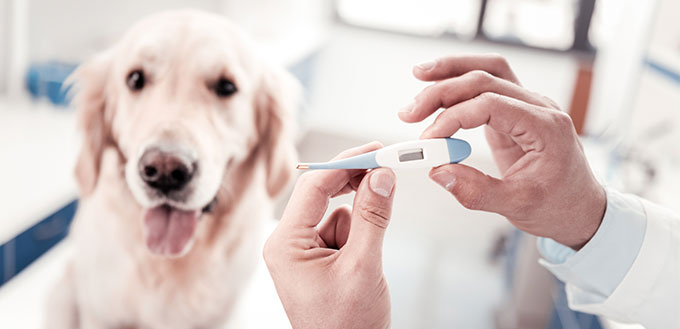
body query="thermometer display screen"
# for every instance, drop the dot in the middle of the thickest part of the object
(411, 155)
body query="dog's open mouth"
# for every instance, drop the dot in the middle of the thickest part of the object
(169, 231)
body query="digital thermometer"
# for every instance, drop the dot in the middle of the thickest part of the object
(424, 153)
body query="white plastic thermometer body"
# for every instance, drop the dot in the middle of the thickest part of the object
(425, 153)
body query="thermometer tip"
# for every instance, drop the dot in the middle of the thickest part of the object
(302, 166)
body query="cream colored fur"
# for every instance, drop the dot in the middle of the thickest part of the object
(245, 150)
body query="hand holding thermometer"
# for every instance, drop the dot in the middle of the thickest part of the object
(425, 153)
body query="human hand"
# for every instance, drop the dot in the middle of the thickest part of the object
(332, 277)
(547, 188)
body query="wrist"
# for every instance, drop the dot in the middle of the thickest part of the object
(587, 221)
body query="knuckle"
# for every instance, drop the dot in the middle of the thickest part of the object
(563, 122)
(470, 201)
(563, 119)
(429, 95)
(466, 197)
(268, 252)
(481, 77)
(374, 214)
(429, 91)
(499, 61)
(550, 102)
(488, 97)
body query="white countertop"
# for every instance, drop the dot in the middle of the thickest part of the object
(23, 300)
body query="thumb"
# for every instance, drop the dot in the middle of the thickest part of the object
(371, 213)
(472, 188)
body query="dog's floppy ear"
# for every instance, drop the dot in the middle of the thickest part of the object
(89, 89)
(277, 102)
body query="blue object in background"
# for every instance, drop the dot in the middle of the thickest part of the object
(18, 253)
(46, 80)
(664, 70)
(565, 318)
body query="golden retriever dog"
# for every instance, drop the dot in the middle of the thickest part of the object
(187, 137)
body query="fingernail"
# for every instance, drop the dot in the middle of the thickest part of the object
(446, 179)
(425, 66)
(408, 108)
(382, 183)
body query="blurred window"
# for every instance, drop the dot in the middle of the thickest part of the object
(421, 17)
(538, 23)
(604, 19)
(547, 24)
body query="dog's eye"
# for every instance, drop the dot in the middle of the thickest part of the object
(136, 80)
(225, 88)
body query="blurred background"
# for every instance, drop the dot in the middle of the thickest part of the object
(614, 65)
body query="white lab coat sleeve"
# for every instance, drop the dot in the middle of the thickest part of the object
(649, 292)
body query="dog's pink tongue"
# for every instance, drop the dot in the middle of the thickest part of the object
(168, 230)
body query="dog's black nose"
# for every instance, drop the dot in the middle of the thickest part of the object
(165, 171)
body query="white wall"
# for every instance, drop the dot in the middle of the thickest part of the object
(73, 30)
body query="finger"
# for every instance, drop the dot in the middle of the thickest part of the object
(345, 190)
(371, 214)
(372, 146)
(352, 185)
(453, 66)
(356, 181)
(335, 229)
(472, 188)
(309, 200)
(449, 92)
(523, 122)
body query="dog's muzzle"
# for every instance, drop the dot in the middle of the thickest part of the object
(166, 171)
